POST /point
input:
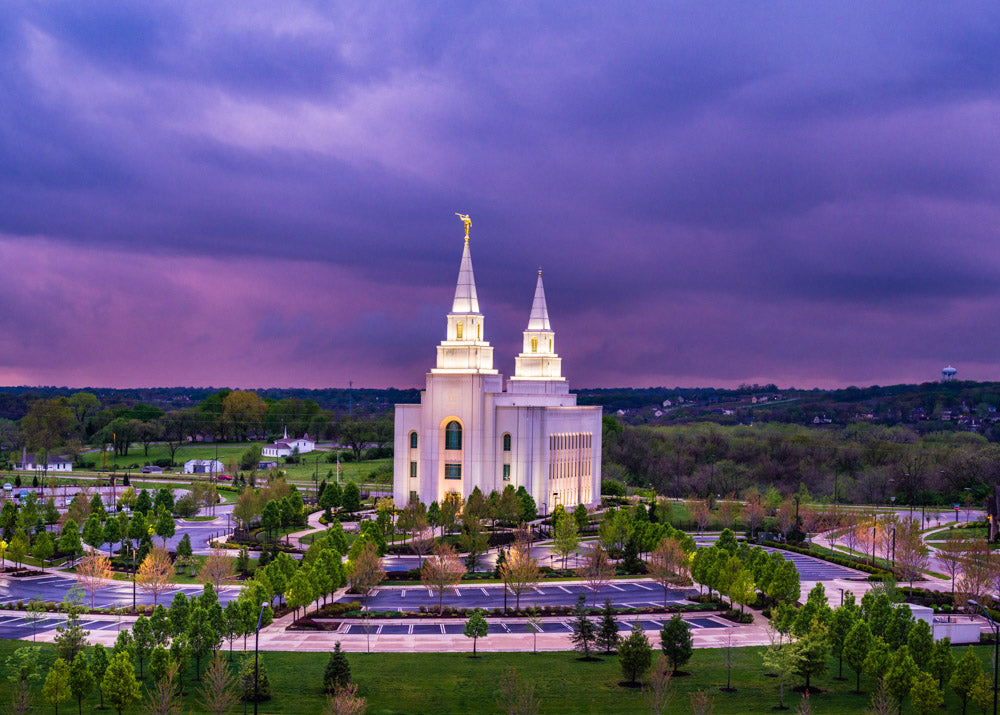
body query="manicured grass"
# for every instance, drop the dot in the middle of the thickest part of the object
(457, 683)
(973, 532)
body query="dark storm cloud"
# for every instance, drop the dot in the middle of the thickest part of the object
(717, 192)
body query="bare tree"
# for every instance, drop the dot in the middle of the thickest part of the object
(517, 697)
(156, 573)
(217, 568)
(345, 701)
(218, 690)
(519, 572)
(92, 571)
(366, 572)
(162, 698)
(977, 567)
(702, 703)
(911, 551)
(666, 564)
(951, 554)
(657, 691)
(753, 513)
(442, 571)
(597, 569)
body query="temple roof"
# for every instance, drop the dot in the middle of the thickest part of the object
(466, 300)
(539, 319)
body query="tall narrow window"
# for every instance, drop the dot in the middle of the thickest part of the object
(453, 471)
(453, 435)
(479, 331)
(458, 330)
(506, 472)
(413, 470)
(534, 345)
(413, 440)
(506, 442)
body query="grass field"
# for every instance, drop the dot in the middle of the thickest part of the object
(972, 532)
(457, 683)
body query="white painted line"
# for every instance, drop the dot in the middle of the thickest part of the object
(616, 587)
(402, 593)
(485, 592)
(564, 589)
(458, 592)
(643, 586)
(430, 594)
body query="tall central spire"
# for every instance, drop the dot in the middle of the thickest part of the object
(539, 319)
(466, 300)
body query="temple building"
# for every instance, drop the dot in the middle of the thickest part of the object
(471, 430)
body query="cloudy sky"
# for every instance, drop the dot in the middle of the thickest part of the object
(259, 194)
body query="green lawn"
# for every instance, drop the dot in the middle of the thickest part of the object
(973, 532)
(457, 683)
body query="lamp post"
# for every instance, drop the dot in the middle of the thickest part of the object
(996, 646)
(256, 643)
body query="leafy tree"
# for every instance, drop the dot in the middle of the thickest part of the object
(71, 638)
(925, 695)
(365, 571)
(143, 503)
(782, 659)
(178, 613)
(184, 550)
(981, 694)
(165, 527)
(93, 572)
(202, 636)
(351, 499)
(814, 648)
(841, 622)
(967, 671)
(56, 687)
(528, 508)
(19, 547)
(519, 572)
(901, 674)
(855, 649)
(921, 643)
(44, 548)
(473, 540)
(270, 519)
(93, 532)
(338, 671)
(581, 517)
(583, 632)
(112, 534)
(676, 642)
(597, 569)
(119, 684)
(635, 654)
(607, 631)
(81, 680)
(566, 536)
(878, 660)
(941, 662)
(156, 574)
(143, 641)
(99, 662)
(159, 661)
(476, 628)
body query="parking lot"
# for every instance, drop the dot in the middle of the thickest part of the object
(502, 627)
(626, 594)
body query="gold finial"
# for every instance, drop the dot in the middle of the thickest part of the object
(467, 221)
(539, 270)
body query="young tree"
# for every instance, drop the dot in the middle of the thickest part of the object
(855, 649)
(941, 662)
(635, 654)
(597, 569)
(338, 671)
(476, 628)
(583, 634)
(119, 684)
(607, 631)
(93, 571)
(202, 635)
(782, 659)
(565, 536)
(442, 571)
(676, 642)
(666, 564)
(56, 687)
(99, 662)
(165, 526)
(968, 669)
(473, 541)
(143, 641)
(345, 701)
(814, 648)
(351, 499)
(365, 572)
(71, 638)
(252, 690)
(925, 695)
(162, 698)
(517, 697)
(657, 692)
(19, 547)
(69, 540)
(519, 572)
(81, 680)
(156, 574)
(912, 554)
(535, 624)
(901, 674)
(218, 691)
(216, 569)
(951, 554)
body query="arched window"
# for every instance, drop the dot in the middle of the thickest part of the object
(413, 440)
(506, 442)
(453, 435)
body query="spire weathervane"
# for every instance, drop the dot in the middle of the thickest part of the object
(467, 221)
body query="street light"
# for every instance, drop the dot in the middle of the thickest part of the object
(996, 645)
(256, 642)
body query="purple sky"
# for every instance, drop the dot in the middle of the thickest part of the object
(262, 194)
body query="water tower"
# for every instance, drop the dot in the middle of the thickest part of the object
(948, 374)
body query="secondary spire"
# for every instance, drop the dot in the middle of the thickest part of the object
(466, 300)
(539, 319)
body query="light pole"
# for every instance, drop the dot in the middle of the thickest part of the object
(256, 642)
(996, 646)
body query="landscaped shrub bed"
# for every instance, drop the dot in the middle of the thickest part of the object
(737, 617)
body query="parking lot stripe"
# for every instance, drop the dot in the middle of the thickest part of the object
(458, 593)
(616, 587)
(644, 586)
(564, 589)
(485, 592)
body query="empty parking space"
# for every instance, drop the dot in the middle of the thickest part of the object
(395, 629)
(705, 623)
(427, 629)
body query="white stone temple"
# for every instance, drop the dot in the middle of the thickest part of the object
(470, 430)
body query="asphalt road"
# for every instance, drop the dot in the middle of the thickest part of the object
(53, 587)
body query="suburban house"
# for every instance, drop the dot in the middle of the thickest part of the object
(203, 466)
(286, 447)
(55, 464)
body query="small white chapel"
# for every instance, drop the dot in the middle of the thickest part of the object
(473, 430)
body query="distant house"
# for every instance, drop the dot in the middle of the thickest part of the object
(152, 469)
(267, 464)
(286, 447)
(203, 466)
(55, 464)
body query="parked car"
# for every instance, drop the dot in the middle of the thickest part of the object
(224, 478)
